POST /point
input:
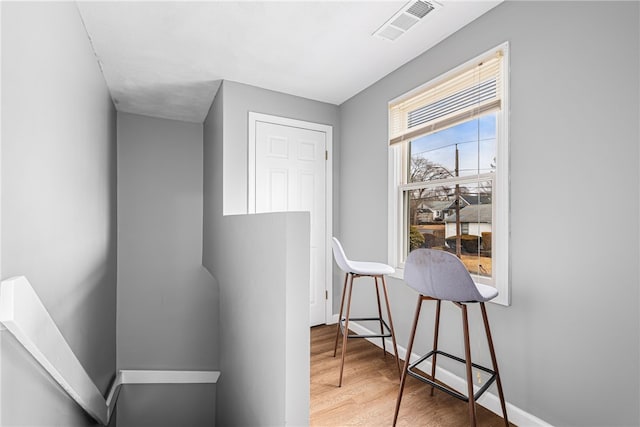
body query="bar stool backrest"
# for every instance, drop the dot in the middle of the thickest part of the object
(440, 275)
(340, 256)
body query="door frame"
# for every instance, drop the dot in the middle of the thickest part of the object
(254, 118)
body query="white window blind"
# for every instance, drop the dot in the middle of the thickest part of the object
(470, 91)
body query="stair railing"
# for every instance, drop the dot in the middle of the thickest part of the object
(25, 317)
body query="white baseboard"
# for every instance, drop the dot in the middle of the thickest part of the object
(488, 400)
(156, 377)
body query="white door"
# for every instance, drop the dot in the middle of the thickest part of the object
(290, 175)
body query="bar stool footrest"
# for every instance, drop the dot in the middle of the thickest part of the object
(444, 387)
(387, 334)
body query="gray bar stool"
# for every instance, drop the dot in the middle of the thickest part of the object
(441, 276)
(356, 269)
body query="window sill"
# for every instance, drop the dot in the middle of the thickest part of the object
(398, 274)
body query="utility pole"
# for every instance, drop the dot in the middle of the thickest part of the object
(458, 235)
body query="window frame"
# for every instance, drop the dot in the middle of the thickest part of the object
(397, 171)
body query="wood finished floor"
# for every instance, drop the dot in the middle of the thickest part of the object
(370, 388)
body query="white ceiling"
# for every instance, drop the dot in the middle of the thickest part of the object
(167, 59)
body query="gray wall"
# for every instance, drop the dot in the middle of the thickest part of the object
(568, 345)
(261, 264)
(239, 100)
(166, 405)
(58, 202)
(167, 302)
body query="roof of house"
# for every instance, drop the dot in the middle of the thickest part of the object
(477, 198)
(441, 205)
(438, 205)
(473, 213)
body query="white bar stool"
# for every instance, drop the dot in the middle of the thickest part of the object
(441, 276)
(356, 269)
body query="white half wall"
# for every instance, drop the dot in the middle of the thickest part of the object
(262, 267)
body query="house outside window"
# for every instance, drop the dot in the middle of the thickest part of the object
(448, 171)
(464, 230)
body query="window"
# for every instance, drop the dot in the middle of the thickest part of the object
(448, 171)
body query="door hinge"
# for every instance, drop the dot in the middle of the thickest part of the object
(326, 294)
(326, 154)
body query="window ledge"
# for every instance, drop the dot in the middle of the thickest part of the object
(398, 274)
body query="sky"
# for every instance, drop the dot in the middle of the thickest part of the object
(476, 141)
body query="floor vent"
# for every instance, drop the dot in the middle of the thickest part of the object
(409, 15)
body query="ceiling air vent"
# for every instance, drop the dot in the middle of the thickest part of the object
(410, 14)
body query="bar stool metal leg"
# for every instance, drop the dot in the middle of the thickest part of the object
(494, 361)
(345, 333)
(344, 291)
(393, 334)
(384, 347)
(344, 329)
(407, 361)
(467, 353)
(435, 344)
